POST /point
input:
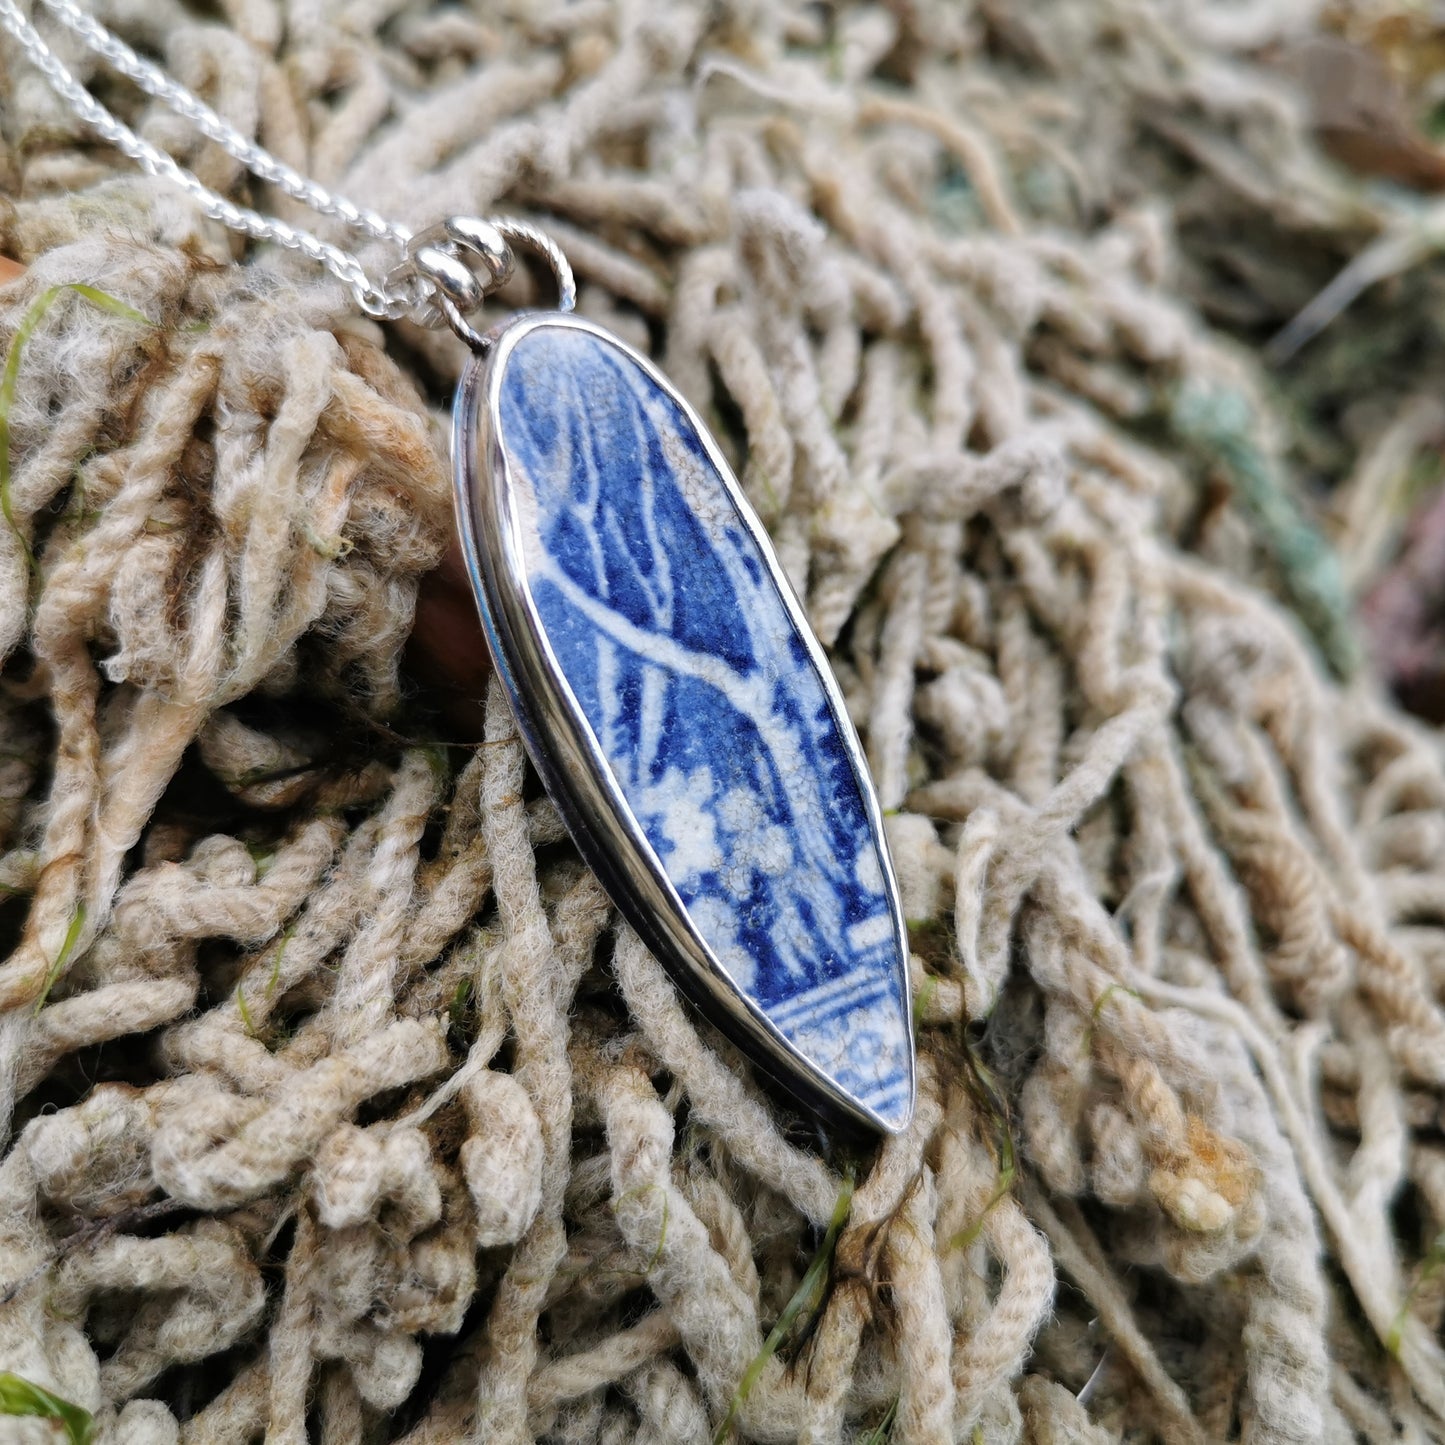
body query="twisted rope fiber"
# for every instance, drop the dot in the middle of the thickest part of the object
(339, 1107)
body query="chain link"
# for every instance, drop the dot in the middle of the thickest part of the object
(374, 299)
(155, 82)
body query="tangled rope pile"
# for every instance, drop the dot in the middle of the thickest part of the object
(341, 1108)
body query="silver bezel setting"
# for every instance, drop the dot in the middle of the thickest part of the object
(566, 753)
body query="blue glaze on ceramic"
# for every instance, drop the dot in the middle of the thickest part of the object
(676, 642)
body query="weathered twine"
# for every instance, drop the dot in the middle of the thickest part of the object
(339, 1108)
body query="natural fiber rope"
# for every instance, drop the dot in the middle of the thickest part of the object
(341, 1109)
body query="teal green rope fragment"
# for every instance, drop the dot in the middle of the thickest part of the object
(1220, 425)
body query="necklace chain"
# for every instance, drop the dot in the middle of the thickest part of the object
(381, 300)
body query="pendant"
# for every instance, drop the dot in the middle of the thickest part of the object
(680, 711)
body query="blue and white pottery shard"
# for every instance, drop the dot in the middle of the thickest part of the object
(681, 712)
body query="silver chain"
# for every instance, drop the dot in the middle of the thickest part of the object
(409, 289)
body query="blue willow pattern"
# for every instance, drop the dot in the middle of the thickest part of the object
(702, 696)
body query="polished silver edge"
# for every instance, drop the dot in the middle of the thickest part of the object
(571, 762)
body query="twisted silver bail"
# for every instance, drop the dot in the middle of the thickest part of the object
(452, 267)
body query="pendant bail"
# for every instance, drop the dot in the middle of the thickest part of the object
(453, 266)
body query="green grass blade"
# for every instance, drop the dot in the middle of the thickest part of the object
(1430, 1266)
(806, 1293)
(19, 1396)
(884, 1428)
(10, 376)
(67, 947)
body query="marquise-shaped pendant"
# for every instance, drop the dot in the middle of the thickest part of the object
(680, 711)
